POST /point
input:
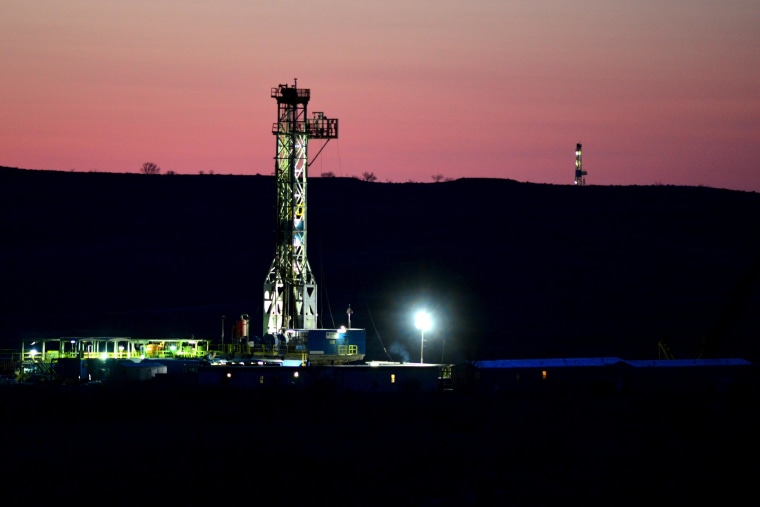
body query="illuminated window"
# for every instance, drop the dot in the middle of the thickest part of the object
(543, 374)
(261, 379)
(393, 378)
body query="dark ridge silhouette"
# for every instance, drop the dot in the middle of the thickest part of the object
(509, 269)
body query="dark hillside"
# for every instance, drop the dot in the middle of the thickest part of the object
(510, 269)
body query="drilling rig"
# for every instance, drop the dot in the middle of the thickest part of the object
(580, 174)
(290, 287)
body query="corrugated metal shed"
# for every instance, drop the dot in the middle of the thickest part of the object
(606, 375)
(549, 362)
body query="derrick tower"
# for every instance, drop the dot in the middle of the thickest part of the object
(579, 172)
(290, 289)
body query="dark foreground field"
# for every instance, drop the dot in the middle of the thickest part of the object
(151, 445)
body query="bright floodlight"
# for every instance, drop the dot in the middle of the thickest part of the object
(423, 323)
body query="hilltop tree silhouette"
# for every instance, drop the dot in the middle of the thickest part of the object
(150, 168)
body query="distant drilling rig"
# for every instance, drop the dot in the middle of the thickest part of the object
(290, 288)
(580, 174)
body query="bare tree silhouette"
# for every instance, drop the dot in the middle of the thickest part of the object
(150, 168)
(369, 177)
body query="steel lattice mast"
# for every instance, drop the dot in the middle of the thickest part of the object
(290, 289)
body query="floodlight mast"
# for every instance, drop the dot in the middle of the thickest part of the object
(290, 288)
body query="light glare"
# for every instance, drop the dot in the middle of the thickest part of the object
(422, 321)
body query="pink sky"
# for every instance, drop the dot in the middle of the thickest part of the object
(664, 91)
